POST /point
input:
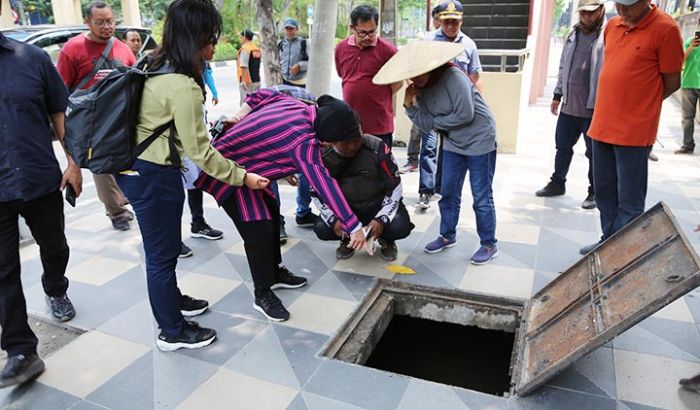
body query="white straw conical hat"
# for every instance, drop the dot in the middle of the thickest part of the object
(416, 58)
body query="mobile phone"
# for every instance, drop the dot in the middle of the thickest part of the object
(70, 195)
(697, 34)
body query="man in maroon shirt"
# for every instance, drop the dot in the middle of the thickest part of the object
(357, 60)
(76, 61)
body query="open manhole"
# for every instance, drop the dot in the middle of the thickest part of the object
(504, 346)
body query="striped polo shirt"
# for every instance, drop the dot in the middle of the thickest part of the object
(275, 140)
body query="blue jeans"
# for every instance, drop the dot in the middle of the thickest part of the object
(157, 197)
(569, 129)
(481, 169)
(303, 197)
(620, 175)
(428, 164)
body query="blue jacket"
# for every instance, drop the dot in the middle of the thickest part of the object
(560, 91)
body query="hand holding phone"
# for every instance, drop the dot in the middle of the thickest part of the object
(70, 195)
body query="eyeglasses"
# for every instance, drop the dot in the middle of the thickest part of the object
(363, 33)
(100, 23)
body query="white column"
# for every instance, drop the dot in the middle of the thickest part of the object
(6, 20)
(131, 15)
(77, 12)
(65, 13)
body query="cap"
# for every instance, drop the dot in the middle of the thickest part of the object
(450, 9)
(290, 22)
(626, 2)
(589, 5)
(335, 120)
(247, 33)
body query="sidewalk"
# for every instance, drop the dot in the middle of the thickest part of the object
(258, 365)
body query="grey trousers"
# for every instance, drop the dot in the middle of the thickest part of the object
(689, 104)
(110, 195)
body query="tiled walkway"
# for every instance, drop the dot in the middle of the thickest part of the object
(259, 365)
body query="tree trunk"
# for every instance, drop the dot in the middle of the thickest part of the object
(219, 4)
(318, 78)
(268, 43)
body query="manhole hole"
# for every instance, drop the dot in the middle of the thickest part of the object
(504, 346)
(51, 337)
(444, 336)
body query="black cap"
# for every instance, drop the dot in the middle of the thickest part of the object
(335, 120)
(248, 33)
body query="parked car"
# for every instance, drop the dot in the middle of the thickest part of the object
(51, 38)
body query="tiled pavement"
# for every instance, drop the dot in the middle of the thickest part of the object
(259, 365)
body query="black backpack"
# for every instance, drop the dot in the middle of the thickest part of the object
(101, 122)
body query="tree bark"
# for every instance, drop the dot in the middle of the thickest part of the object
(219, 4)
(268, 43)
(318, 78)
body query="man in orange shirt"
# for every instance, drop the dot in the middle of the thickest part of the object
(643, 59)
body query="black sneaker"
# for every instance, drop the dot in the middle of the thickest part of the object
(121, 223)
(20, 369)
(271, 306)
(551, 189)
(307, 220)
(389, 251)
(61, 307)
(287, 280)
(283, 235)
(185, 251)
(192, 337)
(343, 251)
(589, 202)
(205, 231)
(190, 306)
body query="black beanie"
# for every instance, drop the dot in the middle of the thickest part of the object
(335, 120)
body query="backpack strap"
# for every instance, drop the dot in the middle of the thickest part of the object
(304, 55)
(97, 67)
(174, 156)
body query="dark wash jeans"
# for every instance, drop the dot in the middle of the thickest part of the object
(481, 169)
(157, 197)
(44, 216)
(399, 227)
(569, 129)
(620, 174)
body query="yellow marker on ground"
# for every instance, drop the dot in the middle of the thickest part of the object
(400, 270)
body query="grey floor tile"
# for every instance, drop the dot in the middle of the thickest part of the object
(578, 219)
(477, 400)
(680, 334)
(176, 377)
(298, 403)
(637, 406)
(87, 405)
(358, 285)
(361, 386)
(35, 396)
(240, 263)
(324, 250)
(542, 279)
(671, 194)
(571, 379)
(422, 395)
(302, 261)
(238, 302)
(329, 285)
(516, 255)
(599, 368)
(447, 264)
(132, 282)
(233, 333)
(131, 388)
(136, 324)
(94, 305)
(426, 276)
(301, 348)
(264, 358)
(640, 340)
(219, 266)
(693, 302)
(553, 398)
(316, 402)
(557, 252)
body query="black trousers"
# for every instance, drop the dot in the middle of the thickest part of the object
(44, 216)
(399, 227)
(261, 241)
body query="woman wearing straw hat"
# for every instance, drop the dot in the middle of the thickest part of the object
(440, 96)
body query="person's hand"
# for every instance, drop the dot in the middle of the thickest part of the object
(377, 229)
(554, 107)
(214, 101)
(233, 120)
(295, 69)
(411, 93)
(357, 240)
(338, 229)
(255, 181)
(292, 180)
(72, 175)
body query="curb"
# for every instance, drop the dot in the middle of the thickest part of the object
(219, 64)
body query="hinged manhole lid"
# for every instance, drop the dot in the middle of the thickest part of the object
(639, 270)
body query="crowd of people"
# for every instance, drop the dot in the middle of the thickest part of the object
(613, 77)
